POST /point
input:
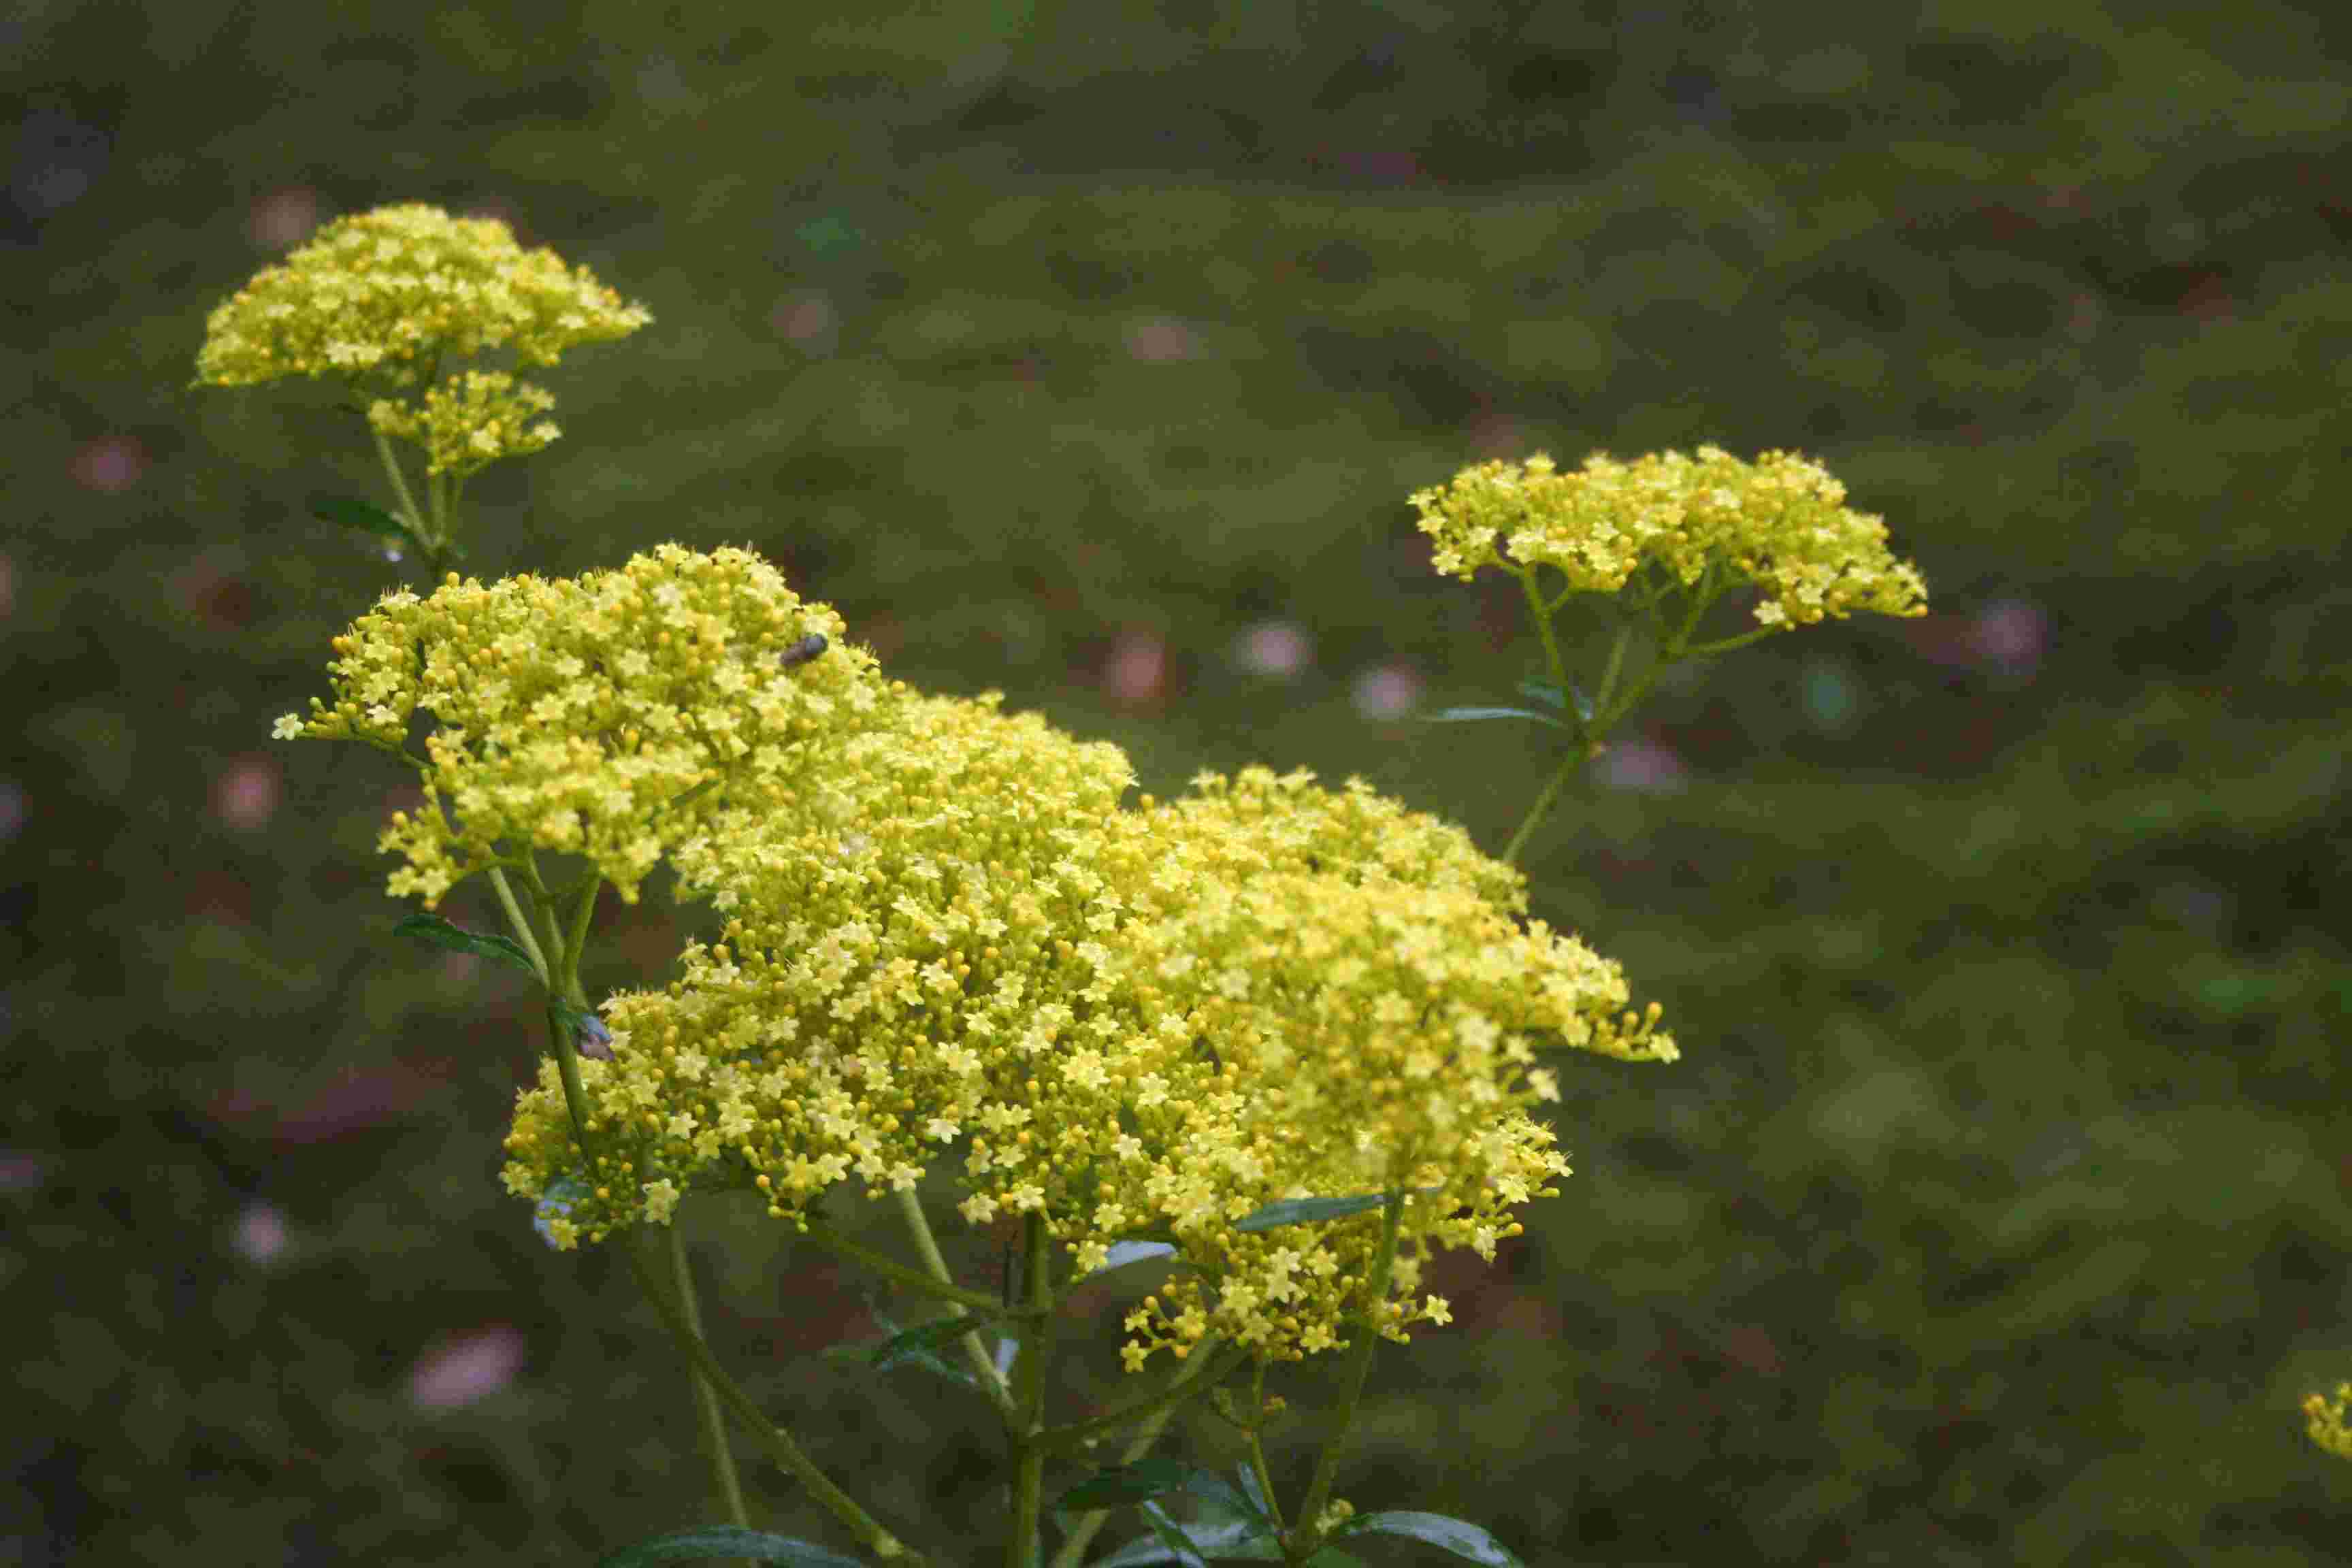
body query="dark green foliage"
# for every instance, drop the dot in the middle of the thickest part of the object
(725, 1542)
(1997, 1211)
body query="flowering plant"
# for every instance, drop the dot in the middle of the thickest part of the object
(1278, 1040)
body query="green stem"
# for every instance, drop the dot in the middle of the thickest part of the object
(1609, 675)
(705, 1399)
(778, 1443)
(984, 1365)
(522, 925)
(1359, 1364)
(1725, 645)
(1024, 1432)
(1257, 1449)
(1085, 1527)
(418, 529)
(575, 941)
(1542, 613)
(898, 1273)
(1179, 1391)
(1551, 788)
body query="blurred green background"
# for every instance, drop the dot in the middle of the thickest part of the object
(1998, 1211)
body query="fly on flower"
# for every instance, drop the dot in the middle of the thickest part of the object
(801, 652)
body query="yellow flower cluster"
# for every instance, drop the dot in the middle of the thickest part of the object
(899, 975)
(574, 715)
(470, 420)
(2327, 1425)
(388, 294)
(1370, 1003)
(1146, 1021)
(1780, 523)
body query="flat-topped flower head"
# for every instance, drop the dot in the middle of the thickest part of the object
(1372, 1008)
(470, 421)
(577, 715)
(383, 296)
(1780, 523)
(900, 975)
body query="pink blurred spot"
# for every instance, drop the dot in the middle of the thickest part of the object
(1642, 767)
(469, 1369)
(459, 968)
(283, 218)
(1387, 691)
(244, 794)
(109, 465)
(1278, 649)
(1381, 165)
(19, 1171)
(1137, 670)
(2010, 635)
(1946, 640)
(352, 1103)
(1155, 340)
(260, 1233)
(1493, 434)
(807, 319)
(1751, 1349)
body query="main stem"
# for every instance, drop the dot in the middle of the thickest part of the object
(984, 1365)
(1196, 1371)
(1026, 1429)
(709, 1379)
(1359, 1364)
(705, 1399)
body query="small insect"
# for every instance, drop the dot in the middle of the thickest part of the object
(801, 652)
(590, 1037)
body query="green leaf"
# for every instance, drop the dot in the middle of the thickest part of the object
(1146, 1479)
(1545, 692)
(908, 1347)
(709, 1542)
(923, 1342)
(1257, 1505)
(1244, 1540)
(1458, 1536)
(352, 512)
(1123, 1253)
(1308, 1211)
(435, 932)
(1173, 1536)
(1465, 715)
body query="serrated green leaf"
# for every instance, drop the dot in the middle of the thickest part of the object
(867, 1354)
(1466, 715)
(726, 1540)
(1458, 1536)
(1308, 1211)
(352, 512)
(435, 932)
